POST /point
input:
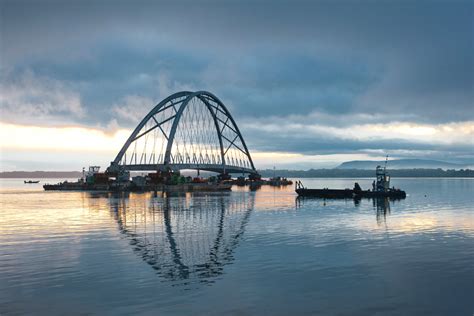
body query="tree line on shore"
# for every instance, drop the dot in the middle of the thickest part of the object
(363, 173)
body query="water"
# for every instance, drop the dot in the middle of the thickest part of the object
(238, 253)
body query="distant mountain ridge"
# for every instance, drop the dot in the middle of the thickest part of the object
(401, 164)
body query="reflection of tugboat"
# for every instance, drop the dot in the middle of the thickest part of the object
(380, 188)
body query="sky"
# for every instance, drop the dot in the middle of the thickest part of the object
(310, 84)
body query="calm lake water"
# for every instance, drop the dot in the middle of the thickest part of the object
(238, 253)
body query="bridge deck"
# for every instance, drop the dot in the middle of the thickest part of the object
(205, 167)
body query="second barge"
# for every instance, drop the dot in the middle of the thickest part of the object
(380, 189)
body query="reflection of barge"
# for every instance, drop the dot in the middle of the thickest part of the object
(380, 189)
(253, 181)
(188, 187)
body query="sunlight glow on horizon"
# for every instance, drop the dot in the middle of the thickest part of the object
(35, 141)
(91, 139)
(61, 138)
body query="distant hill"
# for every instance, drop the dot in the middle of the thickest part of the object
(40, 174)
(401, 164)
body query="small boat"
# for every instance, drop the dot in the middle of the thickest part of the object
(30, 181)
(380, 189)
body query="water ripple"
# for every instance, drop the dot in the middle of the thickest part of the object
(262, 252)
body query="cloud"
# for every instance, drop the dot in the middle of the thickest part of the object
(70, 138)
(334, 77)
(132, 108)
(362, 57)
(27, 97)
(399, 139)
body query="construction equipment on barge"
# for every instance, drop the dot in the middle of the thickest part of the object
(164, 181)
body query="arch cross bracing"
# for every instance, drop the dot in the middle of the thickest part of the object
(187, 130)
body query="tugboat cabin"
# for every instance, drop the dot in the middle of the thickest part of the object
(383, 180)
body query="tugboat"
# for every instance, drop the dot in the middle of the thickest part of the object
(380, 189)
(91, 180)
(31, 181)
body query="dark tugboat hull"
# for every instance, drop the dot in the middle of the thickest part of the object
(326, 193)
(348, 193)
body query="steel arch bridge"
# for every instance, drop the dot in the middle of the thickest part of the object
(187, 130)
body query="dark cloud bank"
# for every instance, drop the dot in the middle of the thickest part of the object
(390, 60)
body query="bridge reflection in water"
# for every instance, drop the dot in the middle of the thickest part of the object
(189, 238)
(185, 237)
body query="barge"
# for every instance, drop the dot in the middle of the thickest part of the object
(380, 189)
(168, 181)
(348, 193)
